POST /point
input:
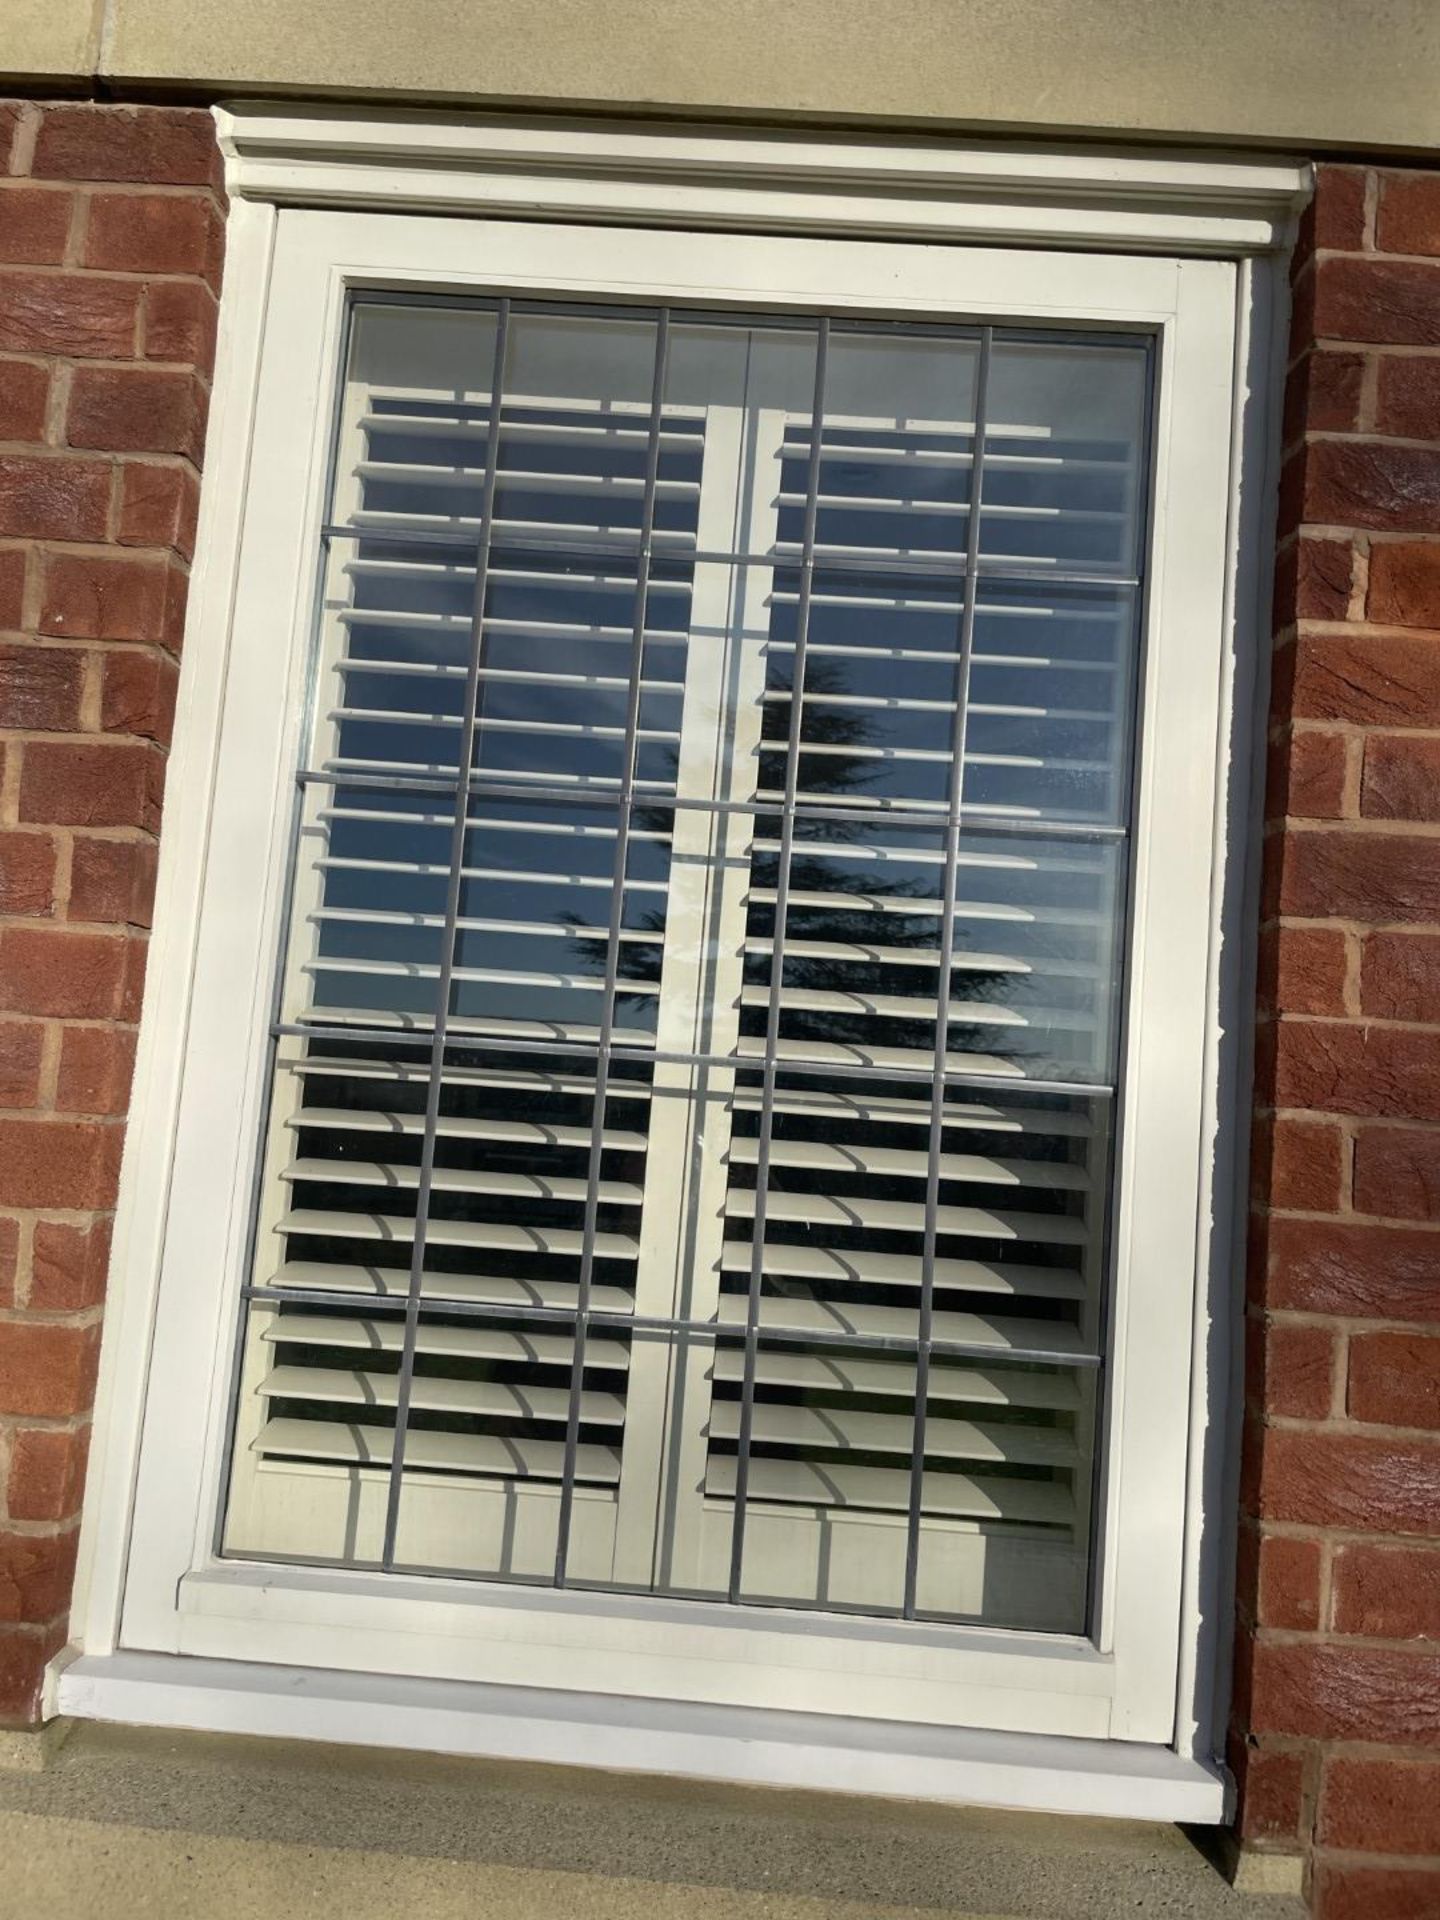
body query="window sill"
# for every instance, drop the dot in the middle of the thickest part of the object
(1039, 1773)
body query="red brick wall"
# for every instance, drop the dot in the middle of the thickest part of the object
(1337, 1713)
(110, 243)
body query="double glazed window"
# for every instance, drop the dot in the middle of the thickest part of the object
(695, 1075)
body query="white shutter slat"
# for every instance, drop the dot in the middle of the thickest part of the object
(830, 1370)
(481, 1454)
(503, 1290)
(837, 1265)
(824, 1428)
(473, 1341)
(887, 1490)
(487, 1399)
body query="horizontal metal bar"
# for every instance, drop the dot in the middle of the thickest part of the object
(728, 1062)
(889, 814)
(915, 572)
(659, 1324)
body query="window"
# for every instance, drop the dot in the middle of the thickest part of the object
(689, 1148)
(775, 1286)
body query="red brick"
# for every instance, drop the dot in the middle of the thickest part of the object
(1407, 219)
(1373, 679)
(112, 881)
(1387, 1593)
(159, 146)
(80, 785)
(151, 232)
(58, 1163)
(34, 224)
(1325, 1478)
(77, 316)
(1397, 1172)
(1302, 969)
(1289, 1596)
(9, 1260)
(1407, 396)
(158, 507)
(22, 1044)
(1298, 1164)
(1390, 302)
(138, 694)
(27, 873)
(1307, 776)
(1322, 395)
(1400, 976)
(136, 410)
(36, 1573)
(47, 1368)
(1395, 1380)
(1381, 1805)
(1336, 215)
(1404, 587)
(1360, 876)
(1312, 581)
(24, 1652)
(1401, 779)
(1291, 1368)
(40, 688)
(63, 973)
(1355, 1271)
(1374, 483)
(24, 396)
(42, 498)
(1340, 1691)
(69, 1266)
(13, 561)
(99, 597)
(47, 1472)
(95, 1068)
(180, 318)
(1272, 1788)
(1346, 1892)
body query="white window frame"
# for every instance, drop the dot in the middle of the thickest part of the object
(164, 1630)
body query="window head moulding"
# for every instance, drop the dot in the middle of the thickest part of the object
(661, 175)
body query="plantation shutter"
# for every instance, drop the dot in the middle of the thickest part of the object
(739, 1230)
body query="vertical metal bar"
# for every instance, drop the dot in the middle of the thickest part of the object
(777, 964)
(949, 869)
(605, 1044)
(447, 943)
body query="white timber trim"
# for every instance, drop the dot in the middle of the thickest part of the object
(743, 1746)
(761, 181)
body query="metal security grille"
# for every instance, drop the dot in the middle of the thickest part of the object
(694, 1053)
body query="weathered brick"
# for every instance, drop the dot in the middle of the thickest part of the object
(1390, 680)
(154, 146)
(1298, 1164)
(1312, 580)
(1387, 1592)
(179, 321)
(27, 873)
(1272, 1787)
(69, 1266)
(1344, 1891)
(1306, 776)
(47, 1472)
(136, 410)
(1397, 1172)
(24, 397)
(137, 694)
(1335, 217)
(1407, 396)
(1291, 1367)
(100, 597)
(36, 1571)
(1303, 969)
(1404, 584)
(1322, 395)
(22, 1046)
(47, 1368)
(1389, 302)
(1380, 1805)
(1400, 976)
(1356, 1271)
(14, 566)
(1401, 778)
(1340, 1691)
(24, 1652)
(1395, 1380)
(34, 223)
(40, 688)
(42, 498)
(95, 1068)
(151, 232)
(1324, 1478)
(1373, 483)
(62, 973)
(1407, 218)
(1360, 876)
(158, 506)
(75, 315)
(1289, 1584)
(80, 785)
(112, 881)
(58, 1163)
